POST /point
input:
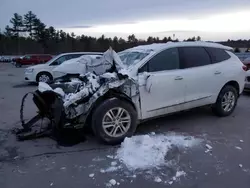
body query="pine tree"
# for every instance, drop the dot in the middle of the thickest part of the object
(17, 24)
(39, 29)
(198, 38)
(8, 31)
(29, 21)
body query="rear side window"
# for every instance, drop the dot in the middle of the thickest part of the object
(217, 55)
(193, 57)
(165, 60)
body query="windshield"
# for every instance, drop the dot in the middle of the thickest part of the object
(130, 58)
(53, 59)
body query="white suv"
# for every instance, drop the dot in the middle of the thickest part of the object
(44, 73)
(163, 78)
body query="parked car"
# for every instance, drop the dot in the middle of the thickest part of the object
(32, 59)
(43, 72)
(158, 79)
(5, 59)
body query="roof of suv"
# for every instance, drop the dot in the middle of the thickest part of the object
(161, 46)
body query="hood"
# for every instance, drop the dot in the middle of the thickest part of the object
(38, 66)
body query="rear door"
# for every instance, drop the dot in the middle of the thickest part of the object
(162, 86)
(222, 67)
(197, 71)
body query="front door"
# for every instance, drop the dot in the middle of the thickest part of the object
(161, 87)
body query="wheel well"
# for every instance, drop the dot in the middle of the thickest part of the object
(43, 72)
(234, 84)
(110, 94)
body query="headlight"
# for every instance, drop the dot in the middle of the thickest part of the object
(29, 70)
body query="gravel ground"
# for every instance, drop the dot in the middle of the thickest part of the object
(42, 163)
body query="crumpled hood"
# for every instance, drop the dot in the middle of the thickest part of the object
(90, 63)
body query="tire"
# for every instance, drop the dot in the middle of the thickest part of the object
(41, 77)
(18, 64)
(219, 108)
(100, 114)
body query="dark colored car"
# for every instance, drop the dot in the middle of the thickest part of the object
(32, 59)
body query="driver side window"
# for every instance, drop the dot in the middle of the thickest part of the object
(165, 60)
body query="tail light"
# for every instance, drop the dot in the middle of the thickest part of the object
(245, 68)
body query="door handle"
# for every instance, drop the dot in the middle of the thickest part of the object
(217, 72)
(178, 78)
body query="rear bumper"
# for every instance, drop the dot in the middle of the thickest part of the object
(247, 86)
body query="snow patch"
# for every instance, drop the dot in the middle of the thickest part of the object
(151, 150)
(44, 87)
(237, 147)
(113, 163)
(91, 175)
(113, 169)
(110, 156)
(157, 179)
(59, 91)
(180, 173)
(209, 147)
(112, 182)
(109, 75)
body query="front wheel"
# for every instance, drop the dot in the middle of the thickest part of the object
(114, 120)
(44, 77)
(226, 101)
(18, 64)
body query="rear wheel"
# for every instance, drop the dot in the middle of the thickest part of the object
(114, 120)
(226, 101)
(44, 77)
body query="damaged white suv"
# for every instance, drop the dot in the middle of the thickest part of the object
(146, 82)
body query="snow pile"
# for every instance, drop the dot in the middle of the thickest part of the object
(59, 91)
(155, 158)
(44, 87)
(149, 151)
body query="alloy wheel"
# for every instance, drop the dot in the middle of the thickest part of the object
(116, 122)
(228, 101)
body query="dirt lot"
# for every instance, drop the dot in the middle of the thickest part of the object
(42, 163)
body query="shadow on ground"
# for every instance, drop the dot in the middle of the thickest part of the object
(21, 85)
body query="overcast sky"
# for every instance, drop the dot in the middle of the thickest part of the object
(212, 19)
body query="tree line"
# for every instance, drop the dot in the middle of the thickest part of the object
(28, 34)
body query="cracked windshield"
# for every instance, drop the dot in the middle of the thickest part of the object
(124, 93)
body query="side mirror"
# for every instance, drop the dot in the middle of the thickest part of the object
(148, 83)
